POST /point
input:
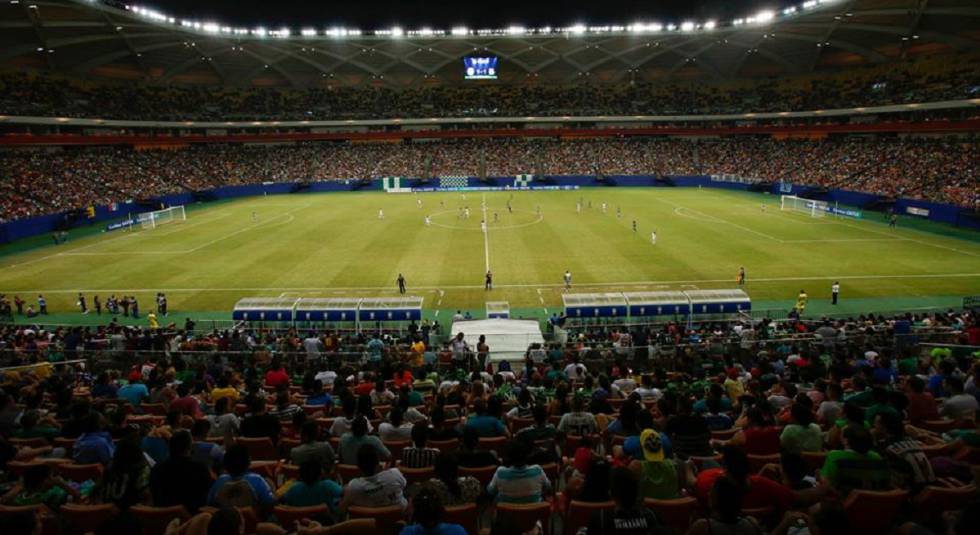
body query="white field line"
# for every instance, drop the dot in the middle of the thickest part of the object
(658, 283)
(678, 211)
(290, 218)
(486, 234)
(920, 242)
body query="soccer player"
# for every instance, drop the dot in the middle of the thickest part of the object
(97, 304)
(428, 222)
(483, 225)
(381, 213)
(893, 221)
(42, 305)
(488, 281)
(801, 302)
(834, 292)
(81, 303)
(634, 226)
(653, 237)
(603, 207)
(538, 209)
(401, 284)
(419, 203)
(740, 278)
(466, 212)
(568, 279)
(254, 217)
(578, 207)
(510, 207)
(495, 217)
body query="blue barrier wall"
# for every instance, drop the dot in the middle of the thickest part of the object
(34, 226)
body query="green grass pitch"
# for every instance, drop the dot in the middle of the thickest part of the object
(334, 244)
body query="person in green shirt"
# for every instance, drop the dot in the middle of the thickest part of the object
(860, 395)
(879, 405)
(802, 434)
(856, 467)
(30, 427)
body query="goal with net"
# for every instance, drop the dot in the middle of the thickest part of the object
(798, 204)
(149, 220)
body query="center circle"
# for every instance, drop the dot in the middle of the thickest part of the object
(454, 219)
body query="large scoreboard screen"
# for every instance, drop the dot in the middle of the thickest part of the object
(480, 68)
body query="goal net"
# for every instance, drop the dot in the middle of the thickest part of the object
(154, 219)
(808, 206)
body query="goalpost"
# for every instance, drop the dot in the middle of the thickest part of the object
(798, 204)
(149, 220)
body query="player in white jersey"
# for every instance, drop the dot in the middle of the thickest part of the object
(428, 222)
(578, 207)
(653, 237)
(568, 279)
(381, 213)
(603, 207)
(483, 225)
(466, 212)
(419, 203)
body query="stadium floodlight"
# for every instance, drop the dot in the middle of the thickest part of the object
(308, 32)
(671, 27)
(710, 25)
(516, 30)
(282, 33)
(577, 29)
(260, 32)
(687, 26)
(764, 16)
(426, 32)
(460, 31)
(397, 32)
(789, 10)
(211, 27)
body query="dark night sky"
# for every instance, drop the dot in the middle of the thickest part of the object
(375, 14)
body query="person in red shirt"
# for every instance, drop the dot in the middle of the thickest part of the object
(922, 404)
(759, 437)
(366, 386)
(759, 491)
(403, 377)
(276, 374)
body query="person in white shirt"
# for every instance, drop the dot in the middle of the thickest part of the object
(381, 214)
(395, 430)
(653, 237)
(376, 488)
(568, 279)
(958, 406)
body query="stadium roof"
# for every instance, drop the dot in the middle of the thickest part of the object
(92, 38)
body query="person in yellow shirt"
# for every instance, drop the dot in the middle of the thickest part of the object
(801, 302)
(152, 319)
(224, 390)
(418, 353)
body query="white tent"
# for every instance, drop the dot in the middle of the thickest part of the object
(508, 339)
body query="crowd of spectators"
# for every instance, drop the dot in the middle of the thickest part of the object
(36, 182)
(40, 95)
(751, 427)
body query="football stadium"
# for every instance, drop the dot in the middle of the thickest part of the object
(553, 268)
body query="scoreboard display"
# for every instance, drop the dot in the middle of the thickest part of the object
(480, 68)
